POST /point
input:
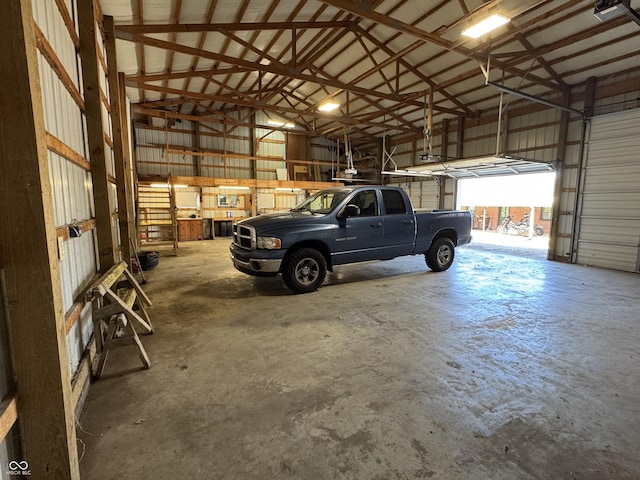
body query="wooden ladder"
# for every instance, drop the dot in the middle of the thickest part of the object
(157, 222)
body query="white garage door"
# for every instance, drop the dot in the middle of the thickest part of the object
(609, 229)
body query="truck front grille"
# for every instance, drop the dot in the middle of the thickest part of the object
(244, 236)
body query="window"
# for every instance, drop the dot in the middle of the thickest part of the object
(504, 213)
(393, 202)
(545, 213)
(322, 202)
(367, 201)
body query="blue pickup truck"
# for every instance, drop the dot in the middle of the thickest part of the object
(345, 225)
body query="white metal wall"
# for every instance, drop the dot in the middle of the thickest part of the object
(609, 222)
(424, 194)
(71, 183)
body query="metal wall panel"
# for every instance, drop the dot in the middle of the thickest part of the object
(79, 335)
(423, 194)
(480, 140)
(450, 193)
(71, 184)
(209, 201)
(609, 226)
(534, 136)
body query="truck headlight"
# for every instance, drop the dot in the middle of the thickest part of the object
(268, 243)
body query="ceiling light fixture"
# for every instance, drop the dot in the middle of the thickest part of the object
(225, 187)
(485, 26)
(328, 106)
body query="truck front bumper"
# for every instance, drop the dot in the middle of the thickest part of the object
(260, 267)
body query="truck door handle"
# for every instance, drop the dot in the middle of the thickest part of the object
(376, 225)
(408, 222)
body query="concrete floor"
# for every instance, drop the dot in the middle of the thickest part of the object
(503, 367)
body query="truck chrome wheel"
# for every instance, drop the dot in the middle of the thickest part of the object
(440, 255)
(306, 271)
(444, 255)
(303, 271)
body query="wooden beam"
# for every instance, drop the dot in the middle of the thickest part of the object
(54, 61)
(118, 125)
(275, 68)
(58, 146)
(129, 167)
(33, 286)
(91, 71)
(68, 22)
(8, 415)
(188, 74)
(228, 27)
(251, 183)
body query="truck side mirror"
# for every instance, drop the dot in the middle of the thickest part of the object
(350, 211)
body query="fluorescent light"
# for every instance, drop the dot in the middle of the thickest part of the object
(233, 188)
(485, 26)
(281, 189)
(177, 185)
(280, 123)
(328, 106)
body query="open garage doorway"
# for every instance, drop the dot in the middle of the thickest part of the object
(511, 214)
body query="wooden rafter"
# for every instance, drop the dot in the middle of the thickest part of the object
(275, 67)
(172, 38)
(229, 27)
(397, 73)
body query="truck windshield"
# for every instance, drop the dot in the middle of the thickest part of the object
(322, 202)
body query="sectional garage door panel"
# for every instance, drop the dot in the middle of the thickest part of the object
(609, 228)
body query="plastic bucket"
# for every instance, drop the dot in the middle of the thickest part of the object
(149, 260)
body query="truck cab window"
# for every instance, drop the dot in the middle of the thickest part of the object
(367, 202)
(393, 202)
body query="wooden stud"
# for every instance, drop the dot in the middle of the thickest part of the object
(8, 415)
(91, 72)
(118, 125)
(129, 167)
(33, 285)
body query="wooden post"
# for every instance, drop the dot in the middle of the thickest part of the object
(129, 170)
(563, 133)
(444, 145)
(590, 96)
(118, 124)
(91, 71)
(195, 140)
(29, 257)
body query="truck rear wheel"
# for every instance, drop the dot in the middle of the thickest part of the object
(304, 270)
(440, 256)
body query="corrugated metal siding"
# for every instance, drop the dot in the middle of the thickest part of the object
(71, 184)
(609, 230)
(569, 178)
(423, 194)
(534, 136)
(450, 191)
(480, 140)
(80, 335)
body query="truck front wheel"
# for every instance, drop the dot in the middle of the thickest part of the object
(304, 270)
(440, 256)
